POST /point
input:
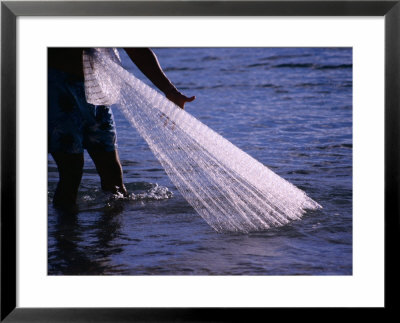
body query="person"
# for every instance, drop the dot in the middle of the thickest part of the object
(75, 125)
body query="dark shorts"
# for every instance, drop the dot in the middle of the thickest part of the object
(74, 124)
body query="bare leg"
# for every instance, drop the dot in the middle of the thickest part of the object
(70, 167)
(109, 168)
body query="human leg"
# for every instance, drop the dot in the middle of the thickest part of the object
(65, 124)
(109, 168)
(70, 167)
(100, 141)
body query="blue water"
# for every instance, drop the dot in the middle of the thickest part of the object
(290, 108)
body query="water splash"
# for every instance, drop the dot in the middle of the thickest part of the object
(157, 192)
(154, 193)
(231, 190)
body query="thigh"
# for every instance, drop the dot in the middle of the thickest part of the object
(65, 120)
(100, 134)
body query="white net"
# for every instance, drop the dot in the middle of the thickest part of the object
(231, 190)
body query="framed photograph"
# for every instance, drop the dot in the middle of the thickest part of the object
(275, 187)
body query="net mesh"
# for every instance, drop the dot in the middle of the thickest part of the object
(230, 190)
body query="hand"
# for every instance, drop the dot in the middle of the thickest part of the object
(178, 98)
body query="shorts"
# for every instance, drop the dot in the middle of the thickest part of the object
(74, 124)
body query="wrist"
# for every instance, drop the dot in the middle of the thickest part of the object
(171, 90)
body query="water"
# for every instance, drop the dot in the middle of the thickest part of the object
(291, 109)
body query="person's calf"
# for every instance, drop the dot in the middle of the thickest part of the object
(70, 167)
(109, 168)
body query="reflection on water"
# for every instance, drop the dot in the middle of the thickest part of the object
(73, 253)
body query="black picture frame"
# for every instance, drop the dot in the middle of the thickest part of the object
(10, 10)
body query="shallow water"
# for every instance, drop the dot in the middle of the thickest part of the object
(290, 108)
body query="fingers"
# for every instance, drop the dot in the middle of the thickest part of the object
(184, 100)
(179, 99)
(190, 99)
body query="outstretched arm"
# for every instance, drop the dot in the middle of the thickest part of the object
(147, 62)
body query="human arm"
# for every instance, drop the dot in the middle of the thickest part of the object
(147, 62)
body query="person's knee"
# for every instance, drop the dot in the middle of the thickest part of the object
(70, 166)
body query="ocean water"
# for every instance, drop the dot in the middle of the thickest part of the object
(290, 108)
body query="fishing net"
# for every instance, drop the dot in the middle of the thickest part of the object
(231, 190)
